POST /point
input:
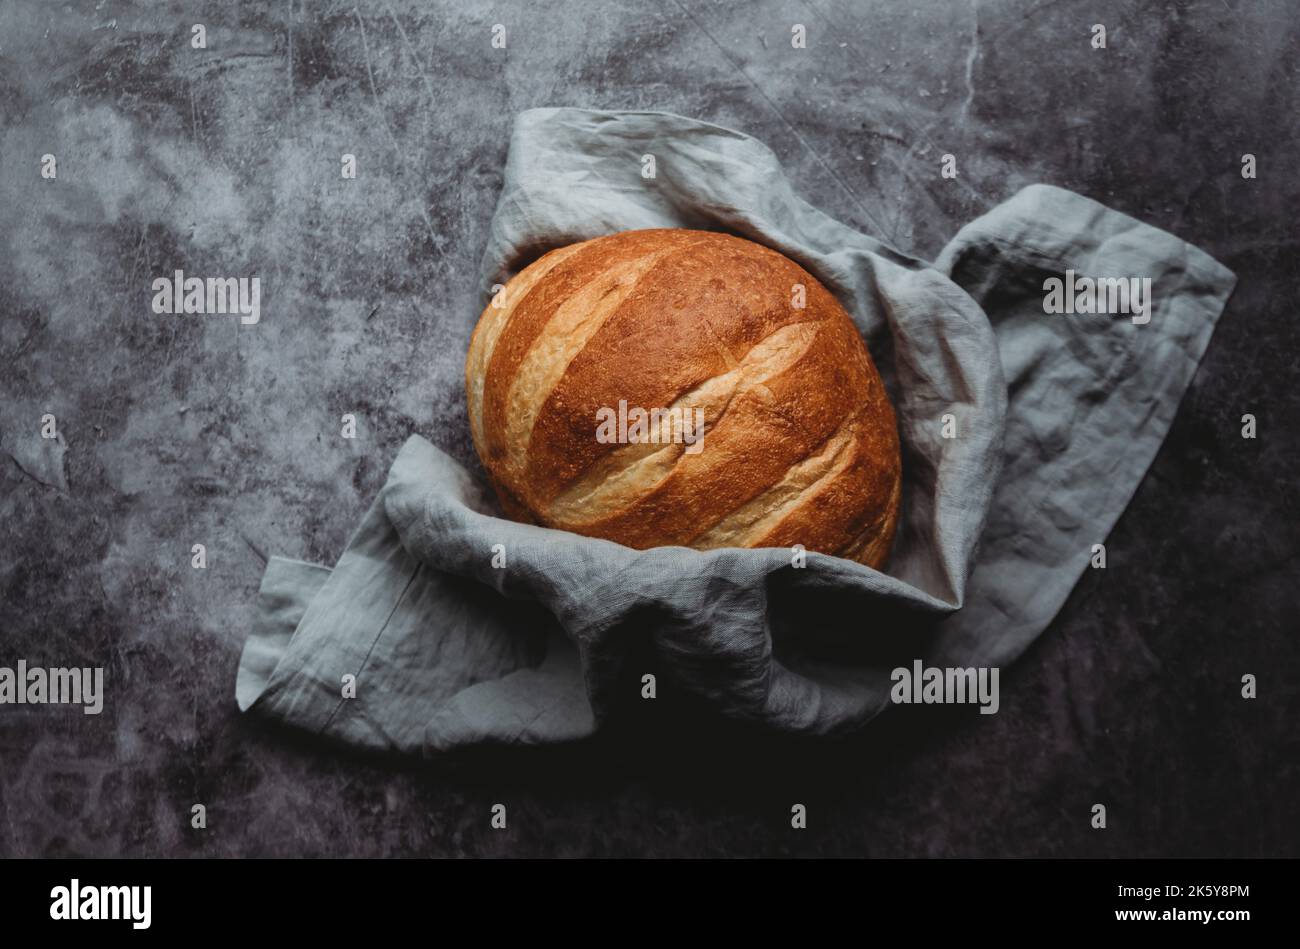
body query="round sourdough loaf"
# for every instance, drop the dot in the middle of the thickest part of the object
(586, 373)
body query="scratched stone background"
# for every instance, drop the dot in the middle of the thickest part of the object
(177, 431)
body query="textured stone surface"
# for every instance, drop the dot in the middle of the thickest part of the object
(183, 430)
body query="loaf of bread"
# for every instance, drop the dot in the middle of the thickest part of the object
(589, 373)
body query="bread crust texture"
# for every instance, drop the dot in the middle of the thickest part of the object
(674, 387)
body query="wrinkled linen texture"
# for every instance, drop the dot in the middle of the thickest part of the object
(1057, 419)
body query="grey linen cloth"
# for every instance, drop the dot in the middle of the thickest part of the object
(1057, 419)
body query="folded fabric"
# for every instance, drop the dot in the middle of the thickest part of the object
(1024, 433)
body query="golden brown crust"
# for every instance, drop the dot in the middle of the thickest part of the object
(801, 444)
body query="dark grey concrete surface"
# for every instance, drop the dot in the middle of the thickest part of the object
(184, 430)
